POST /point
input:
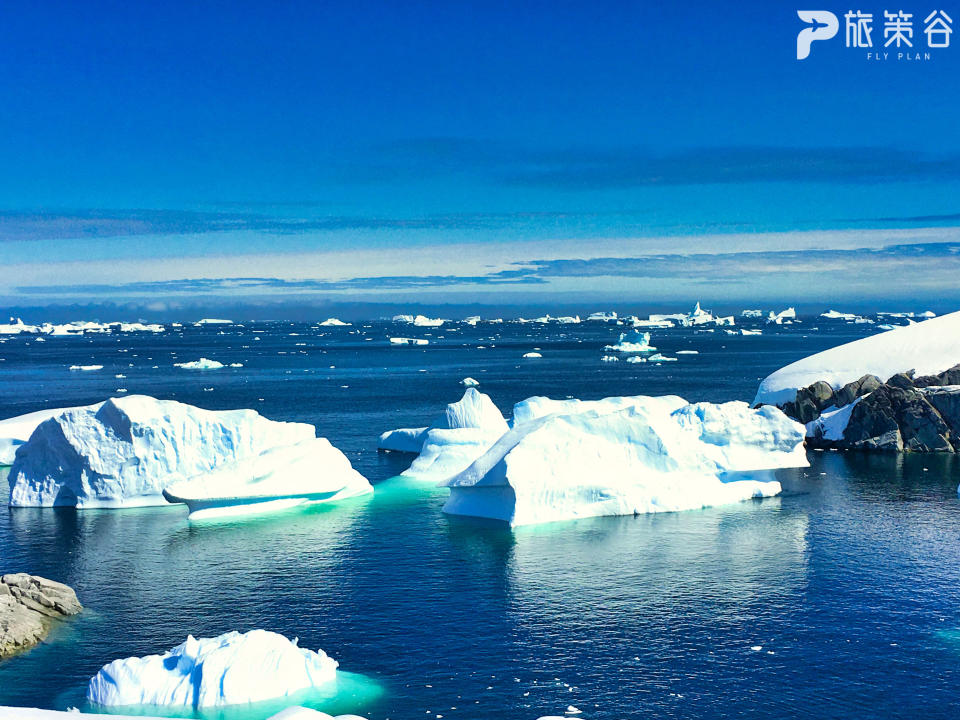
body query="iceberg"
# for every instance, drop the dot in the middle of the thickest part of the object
(231, 669)
(408, 341)
(201, 364)
(334, 322)
(647, 455)
(532, 355)
(455, 439)
(124, 451)
(697, 316)
(744, 331)
(779, 318)
(929, 347)
(423, 321)
(469, 382)
(309, 472)
(602, 317)
(86, 368)
(213, 321)
(658, 357)
(632, 342)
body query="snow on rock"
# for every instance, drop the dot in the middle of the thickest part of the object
(231, 669)
(928, 347)
(311, 471)
(125, 451)
(624, 456)
(201, 364)
(15, 431)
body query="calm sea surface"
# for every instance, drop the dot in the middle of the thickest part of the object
(849, 584)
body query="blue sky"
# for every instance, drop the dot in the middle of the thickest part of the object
(308, 152)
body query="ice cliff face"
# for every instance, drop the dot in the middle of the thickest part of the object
(231, 669)
(125, 451)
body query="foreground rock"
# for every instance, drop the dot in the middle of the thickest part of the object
(125, 451)
(231, 669)
(28, 606)
(903, 414)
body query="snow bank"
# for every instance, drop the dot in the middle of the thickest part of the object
(125, 451)
(231, 669)
(311, 471)
(928, 347)
(624, 456)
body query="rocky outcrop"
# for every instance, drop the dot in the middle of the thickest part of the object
(904, 414)
(28, 606)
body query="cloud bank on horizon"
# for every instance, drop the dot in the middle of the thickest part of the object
(460, 152)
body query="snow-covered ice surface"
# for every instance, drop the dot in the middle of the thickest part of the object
(928, 347)
(231, 669)
(125, 451)
(624, 456)
(310, 471)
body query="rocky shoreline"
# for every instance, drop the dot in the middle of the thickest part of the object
(28, 606)
(903, 414)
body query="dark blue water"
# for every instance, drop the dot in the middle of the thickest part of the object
(849, 582)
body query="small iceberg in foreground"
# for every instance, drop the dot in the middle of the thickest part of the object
(309, 472)
(633, 341)
(124, 451)
(624, 456)
(231, 669)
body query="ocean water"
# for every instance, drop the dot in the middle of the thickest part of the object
(848, 583)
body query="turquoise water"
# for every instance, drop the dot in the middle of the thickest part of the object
(848, 583)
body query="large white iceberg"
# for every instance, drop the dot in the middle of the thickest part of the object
(125, 451)
(625, 456)
(231, 669)
(928, 347)
(308, 472)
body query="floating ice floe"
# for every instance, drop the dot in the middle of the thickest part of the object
(86, 368)
(469, 382)
(633, 341)
(752, 313)
(837, 315)
(408, 341)
(602, 317)
(124, 451)
(201, 364)
(687, 352)
(744, 331)
(424, 321)
(532, 355)
(609, 358)
(636, 359)
(231, 669)
(658, 357)
(309, 472)
(928, 347)
(334, 322)
(213, 321)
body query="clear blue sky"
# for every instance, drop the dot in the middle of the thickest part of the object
(161, 149)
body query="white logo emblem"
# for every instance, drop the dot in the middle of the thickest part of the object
(823, 26)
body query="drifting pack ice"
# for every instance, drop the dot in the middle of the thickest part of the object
(125, 451)
(231, 669)
(897, 390)
(568, 459)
